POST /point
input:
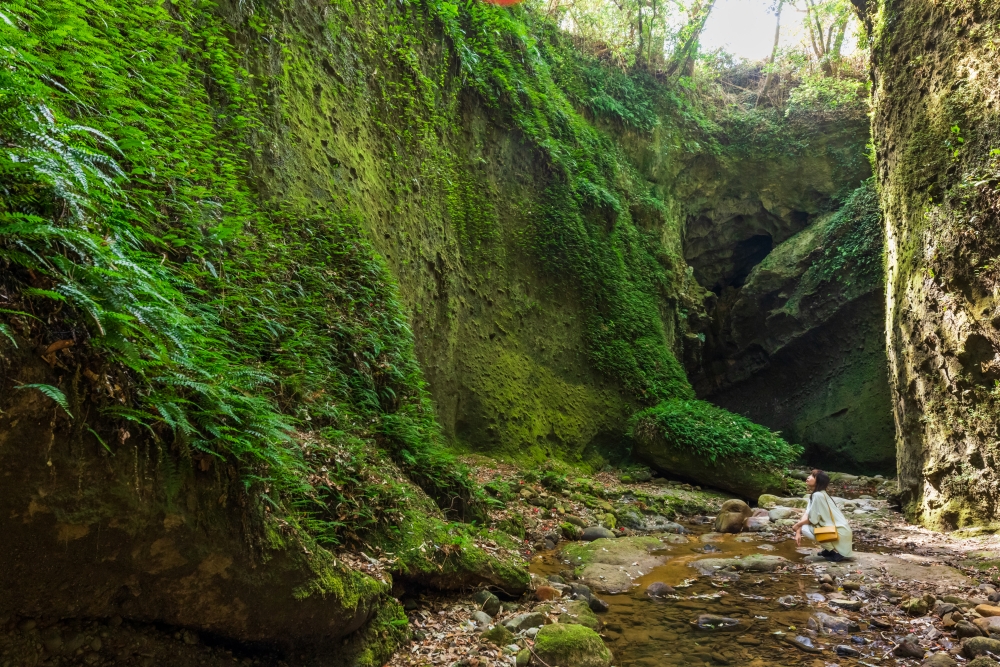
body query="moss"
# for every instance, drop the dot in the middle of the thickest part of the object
(383, 635)
(571, 645)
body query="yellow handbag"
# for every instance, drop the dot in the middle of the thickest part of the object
(826, 533)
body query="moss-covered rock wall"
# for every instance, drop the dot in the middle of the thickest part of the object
(936, 133)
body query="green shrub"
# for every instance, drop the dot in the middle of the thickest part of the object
(714, 434)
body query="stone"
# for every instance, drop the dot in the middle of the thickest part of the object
(581, 590)
(851, 586)
(523, 658)
(804, 643)
(779, 513)
(987, 625)
(849, 605)
(977, 646)
(592, 533)
(555, 579)
(659, 589)
(987, 610)
(487, 602)
(575, 520)
(729, 522)
(524, 621)
(827, 624)
(748, 640)
(499, 635)
(915, 607)
(610, 565)
(964, 629)
(579, 612)
(546, 593)
(767, 501)
(908, 648)
(571, 531)
(939, 660)
(570, 645)
(756, 524)
(482, 618)
(982, 661)
(707, 538)
(760, 511)
(713, 623)
(846, 651)
(736, 505)
(598, 605)
(752, 563)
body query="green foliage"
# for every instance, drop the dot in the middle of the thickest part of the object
(714, 434)
(52, 392)
(554, 481)
(854, 240)
(819, 92)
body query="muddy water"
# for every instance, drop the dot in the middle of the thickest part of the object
(658, 632)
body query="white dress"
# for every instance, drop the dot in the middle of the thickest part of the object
(822, 511)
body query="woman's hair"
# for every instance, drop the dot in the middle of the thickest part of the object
(822, 481)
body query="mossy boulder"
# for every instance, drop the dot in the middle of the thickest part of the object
(499, 635)
(712, 447)
(609, 565)
(571, 645)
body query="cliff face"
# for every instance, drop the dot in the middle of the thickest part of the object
(935, 129)
(792, 331)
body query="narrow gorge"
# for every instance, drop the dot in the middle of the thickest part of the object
(327, 326)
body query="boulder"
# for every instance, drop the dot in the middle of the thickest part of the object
(570, 531)
(982, 661)
(751, 563)
(909, 648)
(487, 602)
(659, 589)
(977, 646)
(779, 513)
(987, 610)
(767, 501)
(756, 524)
(987, 625)
(571, 645)
(827, 624)
(610, 565)
(939, 660)
(729, 522)
(499, 635)
(592, 533)
(597, 605)
(964, 630)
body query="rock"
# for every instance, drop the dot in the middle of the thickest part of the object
(851, 586)
(581, 591)
(804, 643)
(736, 505)
(964, 629)
(760, 511)
(659, 589)
(592, 533)
(525, 621)
(571, 531)
(487, 602)
(908, 648)
(788, 601)
(556, 579)
(798, 503)
(523, 658)
(755, 524)
(482, 618)
(711, 537)
(729, 522)
(546, 593)
(849, 605)
(977, 646)
(939, 660)
(609, 565)
(579, 612)
(987, 625)
(598, 605)
(826, 624)
(767, 501)
(751, 563)
(569, 645)
(982, 661)
(987, 610)
(915, 607)
(713, 623)
(779, 513)
(748, 640)
(654, 523)
(846, 651)
(575, 520)
(499, 635)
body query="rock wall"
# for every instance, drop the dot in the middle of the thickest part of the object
(794, 322)
(936, 127)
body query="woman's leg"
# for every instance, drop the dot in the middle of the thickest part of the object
(807, 531)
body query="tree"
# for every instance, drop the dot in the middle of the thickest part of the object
(689, 38)
(827, 21)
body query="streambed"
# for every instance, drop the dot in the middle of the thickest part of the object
(653, 631)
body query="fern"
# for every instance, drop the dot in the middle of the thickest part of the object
(52, 392)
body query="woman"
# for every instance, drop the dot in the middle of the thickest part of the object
(822, 511)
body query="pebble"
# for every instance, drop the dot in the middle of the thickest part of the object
(805, 644)
(847, 651)
(908, 648)
(482, 618)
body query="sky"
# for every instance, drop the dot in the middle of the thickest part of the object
(745, 28)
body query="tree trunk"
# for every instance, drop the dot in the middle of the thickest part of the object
(770, 78)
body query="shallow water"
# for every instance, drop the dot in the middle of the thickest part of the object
(652, 632)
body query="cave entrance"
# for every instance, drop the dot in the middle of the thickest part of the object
(747, 254)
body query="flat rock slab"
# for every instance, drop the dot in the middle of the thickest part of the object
(751, 563)
(610, 565)
(923, 570)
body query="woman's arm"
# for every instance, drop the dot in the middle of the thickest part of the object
(804, 521)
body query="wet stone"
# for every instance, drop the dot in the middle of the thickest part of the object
(976, 646)
(747, 640)
(908, 648)
(826, 624)
(804, 643)
(598, 605)
(846, 651)
(659, 589)
(595, 533)
(482, 618)
(964, 629)
(713, 623)
(849, 605)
